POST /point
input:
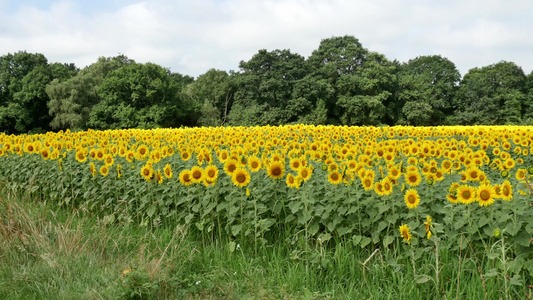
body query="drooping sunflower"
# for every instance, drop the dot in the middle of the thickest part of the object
(485, 195)
(197, 174)
(466, 194)
(159, 176)
(92, 168)
(167, 170)
(185, 177)
(411, 198)
(404, 232)
(429, 225)
(334, 177)
(240, 177)
(276, 170)
(413, 178)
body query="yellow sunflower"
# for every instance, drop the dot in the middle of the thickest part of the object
(413, 178)
(185, 177)
(411, 198)
(254, 163)
(240, 177)
(485, 195)
(507, 191)
(230, 166)
(147, 172)
(211, 174)
(276, 170)
(305, 172)
(404, 232)
(292, 181)
(197, 174)
(167, 170)
(466, 194)
(334, 177)
(104, 170)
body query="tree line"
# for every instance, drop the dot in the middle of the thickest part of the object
(340, 83)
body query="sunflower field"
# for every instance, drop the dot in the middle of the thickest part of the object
(375, 187)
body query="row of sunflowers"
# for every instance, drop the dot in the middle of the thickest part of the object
(371, 185)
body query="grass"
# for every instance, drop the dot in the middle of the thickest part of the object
(48, 252)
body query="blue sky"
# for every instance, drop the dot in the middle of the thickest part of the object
(190, 37)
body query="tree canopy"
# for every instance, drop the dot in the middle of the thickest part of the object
(341, 82)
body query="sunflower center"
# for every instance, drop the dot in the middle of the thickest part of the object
(241, 178)
(466, 195)
(484, 195)
(197, 174)
(411, 199)
(276, 171)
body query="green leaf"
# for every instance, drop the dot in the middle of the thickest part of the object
(364, 241)
(151, 210)
(235, 229)
(231, 246)
(388, 240)
(422, 278)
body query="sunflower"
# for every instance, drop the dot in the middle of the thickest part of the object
(429, 225)
(185, 177)
(485, 195)
(185, 155)
(466, 194)
(130, 155)
(104, 170)
(411, 198)
(142, 152)
(387, 186)
(147, 172)
(293, 181)
(507, 191)
(230, 166)
(472, 174)
(254, 163)
(119, 173)
(276, 170)
(159, 176)
(521, 174)
(197, 174)
(80, 156)
(92, 168)
(240, 177)
(45, 153)
(295, 164)
(108, 160)
(211, 174)
(413, 178)
(335, 177)
(404, 232)
(167, 170)
(368, 183)
(99, 155)
(305, 172)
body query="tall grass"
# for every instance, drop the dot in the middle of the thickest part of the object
(48, 252)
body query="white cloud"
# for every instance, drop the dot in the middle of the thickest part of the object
(192, 36)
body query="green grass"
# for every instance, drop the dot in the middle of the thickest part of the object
(52, 253)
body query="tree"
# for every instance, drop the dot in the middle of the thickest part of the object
(362, 82)
(212, 91)
(71, 99)
(491, 95)
(138, 95)
(23, 80)
(265, 87)
(432, 80)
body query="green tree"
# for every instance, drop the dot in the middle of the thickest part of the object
(527, 105)
(427, 85)
(23, 80)
(265, 87)
(491, 95)
(212, 91)
(138, 95)
(71, 99)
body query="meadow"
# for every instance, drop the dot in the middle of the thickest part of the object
(293, 211)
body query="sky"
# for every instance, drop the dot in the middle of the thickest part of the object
(192, 36)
